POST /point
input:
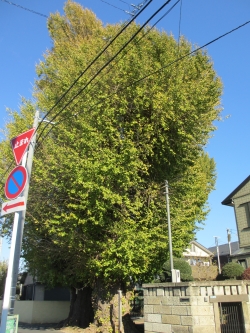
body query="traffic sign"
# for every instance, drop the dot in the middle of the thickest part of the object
(16, 182)
(20, 144)
(13, 206)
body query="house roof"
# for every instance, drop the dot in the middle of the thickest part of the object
(202, 247)
(224, 249)
(241, 251)
(206, 253)
(228, 201)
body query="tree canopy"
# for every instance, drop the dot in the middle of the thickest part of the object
(96, 207)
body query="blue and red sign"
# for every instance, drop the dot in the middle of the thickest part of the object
(16, 182)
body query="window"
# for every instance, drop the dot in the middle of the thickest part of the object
(192, 262)
(247, 208)
(243, 263)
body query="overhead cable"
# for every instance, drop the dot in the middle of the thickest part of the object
(114, 6)
(163, 67)
(124, 2)
(94, 60)
(136, 42)
(179, 34)
(30, 10)
(107, 63)
(167, 65)
(187, 54)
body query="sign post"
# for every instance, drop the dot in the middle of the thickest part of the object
(13, 206)
(7, 290)
(17, 235)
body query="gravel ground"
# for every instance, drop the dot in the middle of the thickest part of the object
(54, 328)
(26, 328)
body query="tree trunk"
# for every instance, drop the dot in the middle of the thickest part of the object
(97, 310)
(105, 303)
(81, 311)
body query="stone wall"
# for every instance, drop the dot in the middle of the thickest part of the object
(191, 307)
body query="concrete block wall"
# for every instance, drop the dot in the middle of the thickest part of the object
(41, 312)
(190, 307)
(176, 307)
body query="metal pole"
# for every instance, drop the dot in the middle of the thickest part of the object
(17, 237)
(23, 213)
(15, 267)
(169, 229)
(119, 311)
(7, 290)
(229, 241)
(218, 253)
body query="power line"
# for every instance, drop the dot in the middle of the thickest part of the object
(159, 70)
(188, 54)
(107, 63)
(124, 2)
(136, 42)
(114, 6)
(146, 2)
(179, 35)
(165, 66)
(168, 11)
(5, 173)
(29, 10)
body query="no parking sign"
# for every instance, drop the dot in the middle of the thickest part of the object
(16, 182)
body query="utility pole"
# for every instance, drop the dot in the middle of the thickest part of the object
(218, 253)
(21, 220)
(229, 241)
(169, 230)
(16, 242)
(119, 311)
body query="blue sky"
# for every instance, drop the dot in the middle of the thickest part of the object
(24, 39)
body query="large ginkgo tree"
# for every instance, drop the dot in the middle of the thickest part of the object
(96, 214)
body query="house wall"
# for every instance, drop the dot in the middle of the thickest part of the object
(39, 293)
(242, 215)
(28, 280)
(191, 307)
(45, 312)
(242, 257)
(195, 255)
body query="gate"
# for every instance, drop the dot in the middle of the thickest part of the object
(231, 317)
(137, 304)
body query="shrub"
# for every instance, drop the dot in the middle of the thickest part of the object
(179, 263)
(204, 273)
(232, 270)
(246, 274)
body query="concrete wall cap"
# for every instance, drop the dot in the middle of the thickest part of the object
(197, 284)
